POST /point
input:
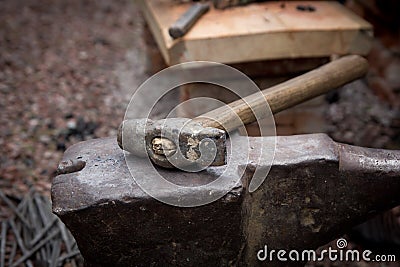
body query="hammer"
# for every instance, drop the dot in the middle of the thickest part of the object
(179, 142)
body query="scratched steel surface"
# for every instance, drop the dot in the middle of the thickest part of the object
(316, 190)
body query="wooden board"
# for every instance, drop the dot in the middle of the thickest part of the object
(259, 31)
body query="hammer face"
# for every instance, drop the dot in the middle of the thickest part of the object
(197, 147)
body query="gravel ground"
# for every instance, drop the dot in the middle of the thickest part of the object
(68, 68)
(65, 76)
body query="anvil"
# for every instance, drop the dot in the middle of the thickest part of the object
(316, 190)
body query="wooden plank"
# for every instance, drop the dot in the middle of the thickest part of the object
(259, 31)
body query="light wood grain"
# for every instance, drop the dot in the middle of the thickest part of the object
(259, 31)
(287, 94)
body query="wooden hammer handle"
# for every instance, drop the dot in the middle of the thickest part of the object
(287, 94)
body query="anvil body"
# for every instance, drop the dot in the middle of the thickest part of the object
(316, 190)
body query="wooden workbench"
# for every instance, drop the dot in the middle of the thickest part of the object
(259, 31)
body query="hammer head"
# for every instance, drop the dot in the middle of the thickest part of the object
(174, 142)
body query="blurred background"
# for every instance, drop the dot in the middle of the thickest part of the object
(67, 71)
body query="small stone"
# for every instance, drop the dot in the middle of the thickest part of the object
(33, 123)
(44, 139)
(47, 154)
(28, 70)
(83, 55)
(71, 124)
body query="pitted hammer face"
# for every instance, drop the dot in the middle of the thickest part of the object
(174, 142)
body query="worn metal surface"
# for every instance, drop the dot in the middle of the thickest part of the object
(70, 166)
(197, 145)
(188, 19)
(117, 224)
(316, 190)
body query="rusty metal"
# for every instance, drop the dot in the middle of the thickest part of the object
(70, 166)
(316, 191)
(188, 19)
(145, 139)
